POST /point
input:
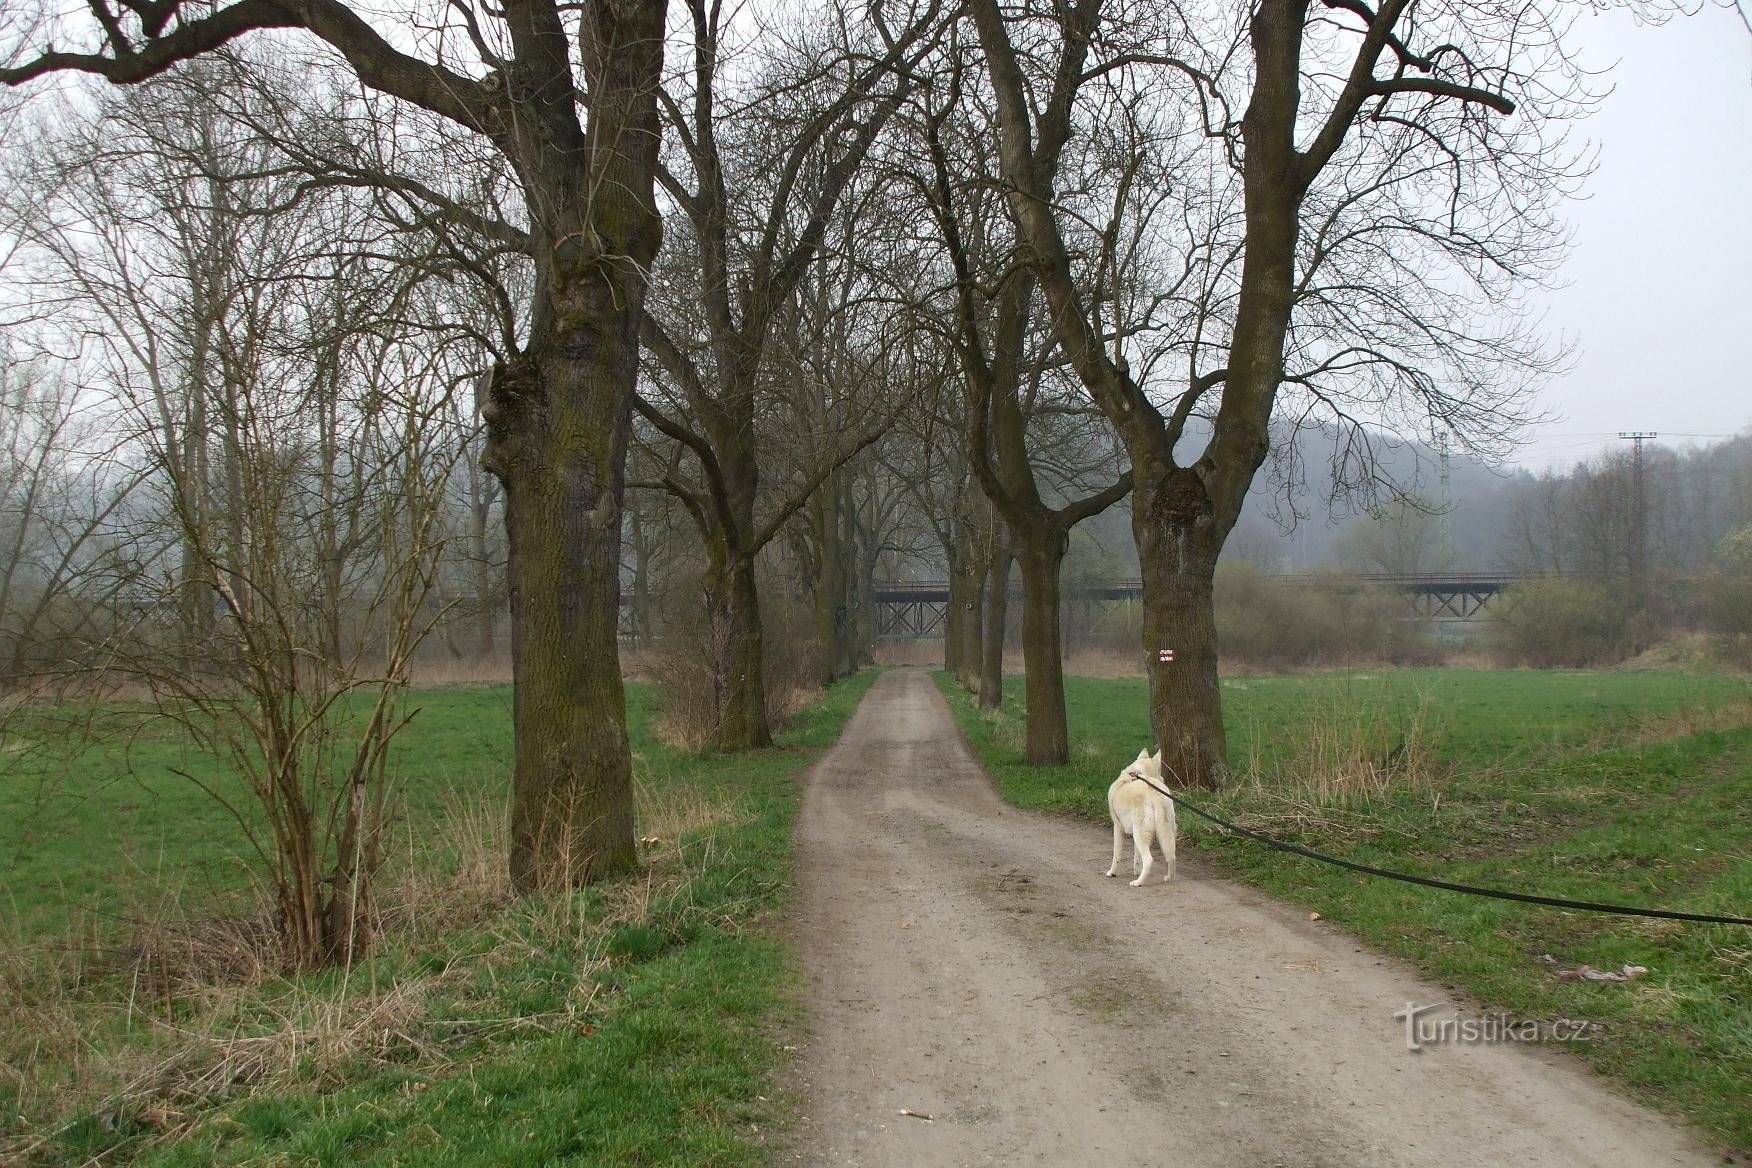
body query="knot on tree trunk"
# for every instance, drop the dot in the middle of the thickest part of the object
(515, 401)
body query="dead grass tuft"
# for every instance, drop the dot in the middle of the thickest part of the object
(1105, 662)
(922, 653)
(1349, 754)
(1686, 722)
(667, 810)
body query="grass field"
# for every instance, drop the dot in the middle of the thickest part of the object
(637, 1023)
(1619, 787)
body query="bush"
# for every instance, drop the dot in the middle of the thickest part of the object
(1335, 620)
(1559, 623)
(1727, 596)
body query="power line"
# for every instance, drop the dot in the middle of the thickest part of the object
(1639, 520)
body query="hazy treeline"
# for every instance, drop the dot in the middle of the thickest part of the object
(1585, 520)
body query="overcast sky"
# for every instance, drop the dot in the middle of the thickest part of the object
(1659, 296)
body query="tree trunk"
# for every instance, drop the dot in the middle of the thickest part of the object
(954, 613)
(559, 417)
(997, 614)
(1041, 553)
(863, 606)
(973, 569)
(846, 645)
(572, 800)
(738, 673)
(639, 613)
(831, 618)
(1175, 530)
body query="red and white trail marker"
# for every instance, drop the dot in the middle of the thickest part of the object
(1165, 656)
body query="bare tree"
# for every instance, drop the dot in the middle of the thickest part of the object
(991, 337)
(61, 488)
(1399, 537)
(583, 145)
(273, 570)
(1384, 199)
(756, 204)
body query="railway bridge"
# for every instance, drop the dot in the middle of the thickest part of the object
(917, 608)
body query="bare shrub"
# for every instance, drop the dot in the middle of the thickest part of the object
(682, 670)
(681, 666)
(795, 659)
(1727, 597)
(1555, 622)
(1333, 621)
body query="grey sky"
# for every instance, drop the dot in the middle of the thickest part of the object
(1659, 300)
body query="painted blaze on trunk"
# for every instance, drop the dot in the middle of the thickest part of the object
(1178, 543)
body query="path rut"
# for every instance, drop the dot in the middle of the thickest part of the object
(968, 962)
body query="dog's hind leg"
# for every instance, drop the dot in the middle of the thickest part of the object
(1118, 846)
(1142, 858)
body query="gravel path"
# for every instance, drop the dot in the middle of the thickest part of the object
(968, 962)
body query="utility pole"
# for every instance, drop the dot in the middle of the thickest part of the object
(1639, 547)
(1445, 518)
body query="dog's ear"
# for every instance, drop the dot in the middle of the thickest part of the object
(1143, 755)
(1157, 758)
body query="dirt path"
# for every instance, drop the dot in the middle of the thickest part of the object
(969, 962)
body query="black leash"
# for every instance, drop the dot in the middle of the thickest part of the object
(1427, 882)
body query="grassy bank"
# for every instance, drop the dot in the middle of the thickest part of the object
(635, 1023)
(1619, 787)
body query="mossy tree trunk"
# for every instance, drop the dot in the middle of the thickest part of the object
(558, 422)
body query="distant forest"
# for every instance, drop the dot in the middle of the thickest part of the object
(1308, 514)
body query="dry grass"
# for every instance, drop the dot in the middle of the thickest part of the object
(1347, 755)
(241, 1038)
(192, 1010)
(1649, 729)
(425, 674)
(682, 669)
(923, 653)
(1104, 662)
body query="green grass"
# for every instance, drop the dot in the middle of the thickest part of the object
(635, 1023)
(1626, 788)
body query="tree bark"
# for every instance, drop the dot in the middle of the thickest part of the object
(1178, 544)
(831, 615)
(997, 613)
(974, 564)
(558, 422)
(738, 666)
(1041, 552)
(572, 801)
(954, 614)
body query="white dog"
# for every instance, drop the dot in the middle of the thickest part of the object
(1141, 811)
